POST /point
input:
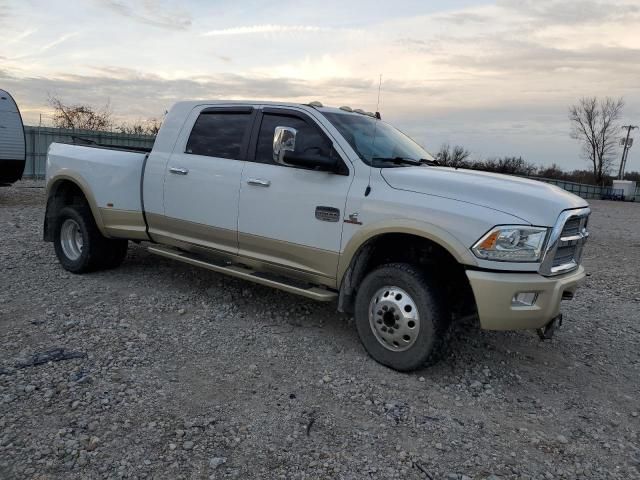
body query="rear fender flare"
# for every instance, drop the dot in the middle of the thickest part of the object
(75, 178)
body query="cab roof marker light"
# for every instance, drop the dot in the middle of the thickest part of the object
(346, 108)
(359, 110)
(315, 104)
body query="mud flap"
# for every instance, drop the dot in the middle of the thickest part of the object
(546, 332)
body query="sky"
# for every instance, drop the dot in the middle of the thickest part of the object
(496, 77)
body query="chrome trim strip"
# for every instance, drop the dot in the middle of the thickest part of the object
(572, 238)
(546, 266)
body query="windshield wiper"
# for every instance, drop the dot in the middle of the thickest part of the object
(407, 161)
(396, 160)
(431, 163)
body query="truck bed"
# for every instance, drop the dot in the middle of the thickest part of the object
(112, 174)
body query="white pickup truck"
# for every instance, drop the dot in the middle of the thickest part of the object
(330, 203)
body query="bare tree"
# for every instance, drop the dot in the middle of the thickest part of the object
(507, 165)
(83, 117)
(140, 127)
(595, 123)
(453, 157)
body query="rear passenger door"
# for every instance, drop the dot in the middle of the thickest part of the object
(202, 178)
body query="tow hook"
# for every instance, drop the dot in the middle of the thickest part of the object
(546, 332)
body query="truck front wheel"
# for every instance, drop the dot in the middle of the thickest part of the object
(79, 245)
(401, 317)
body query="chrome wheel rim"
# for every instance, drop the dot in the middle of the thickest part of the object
(394, 318)
(71, 239)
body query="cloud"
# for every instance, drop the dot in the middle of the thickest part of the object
(20, 36)
(150, 12)
(5, 12)
(464, 18)
(492, 55)
(135, 94)
(58, 41)
(576, 12)
(45, 47)
(267, 28)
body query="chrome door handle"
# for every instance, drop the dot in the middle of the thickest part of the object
(179, 171)
(258, 182)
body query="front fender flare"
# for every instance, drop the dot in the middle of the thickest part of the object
(429, 231)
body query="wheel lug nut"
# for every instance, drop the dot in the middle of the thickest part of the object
(391, 330)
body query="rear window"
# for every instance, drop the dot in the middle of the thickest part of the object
(219, 134)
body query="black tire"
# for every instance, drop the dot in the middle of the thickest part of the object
(115, 253)
(434, 318)
(97, 252)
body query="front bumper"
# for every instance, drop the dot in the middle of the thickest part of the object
(494, 292)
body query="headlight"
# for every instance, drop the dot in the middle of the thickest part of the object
(512, 243)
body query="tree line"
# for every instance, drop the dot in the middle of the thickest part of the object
(87, 117)
(595, 123)
(459, 157)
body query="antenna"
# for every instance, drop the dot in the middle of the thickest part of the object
(378, 104)
(367, 190)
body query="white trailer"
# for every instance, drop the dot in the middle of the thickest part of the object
(12, 140)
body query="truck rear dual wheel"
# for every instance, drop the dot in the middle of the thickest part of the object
(401, 317)
(79, 245)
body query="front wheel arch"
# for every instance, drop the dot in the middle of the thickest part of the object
(423, 253)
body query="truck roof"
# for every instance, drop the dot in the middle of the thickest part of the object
(190, 104)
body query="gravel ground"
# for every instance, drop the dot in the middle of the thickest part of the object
(183, 373)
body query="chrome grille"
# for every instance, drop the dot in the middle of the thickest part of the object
(572, 227)
(564, 255)
(566, 243)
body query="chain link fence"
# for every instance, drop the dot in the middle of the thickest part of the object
(587, 191)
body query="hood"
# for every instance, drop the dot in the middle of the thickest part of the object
(534, 202)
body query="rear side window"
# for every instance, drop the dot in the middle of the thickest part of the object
(308, 140)
(219, 134)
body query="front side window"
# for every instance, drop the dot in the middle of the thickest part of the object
(375, 141)
(309, 140)
(219, 134)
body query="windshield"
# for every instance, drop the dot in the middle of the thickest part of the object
(377, 143)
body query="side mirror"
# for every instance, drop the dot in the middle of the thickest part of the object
(284, 140)
(311, 161)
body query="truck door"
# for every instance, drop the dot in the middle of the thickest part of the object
(292, 216)
(202, 179)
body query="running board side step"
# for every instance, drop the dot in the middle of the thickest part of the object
(315, 293)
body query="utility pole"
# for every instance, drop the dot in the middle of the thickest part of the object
(625, 150)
